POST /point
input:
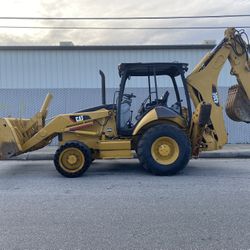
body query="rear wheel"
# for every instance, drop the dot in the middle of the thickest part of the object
(72, 159)
(164, 149)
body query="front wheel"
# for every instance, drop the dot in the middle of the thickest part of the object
(72, 159)
(164, 149)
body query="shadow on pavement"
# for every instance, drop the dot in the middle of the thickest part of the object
(205, 167)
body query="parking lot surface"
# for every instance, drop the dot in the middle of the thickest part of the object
(117, 205)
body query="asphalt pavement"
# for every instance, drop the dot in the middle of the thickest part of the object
(117, 205)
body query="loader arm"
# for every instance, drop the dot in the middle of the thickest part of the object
(202, 85)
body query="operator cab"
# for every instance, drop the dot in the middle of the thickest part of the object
(145, 86)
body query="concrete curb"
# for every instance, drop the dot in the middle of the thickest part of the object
(244, 154)
(34, 157)
(227, 154)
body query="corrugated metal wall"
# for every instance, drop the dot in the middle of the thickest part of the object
(72, 76)
(79, 68)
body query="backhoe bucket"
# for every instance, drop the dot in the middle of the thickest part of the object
(238, 104)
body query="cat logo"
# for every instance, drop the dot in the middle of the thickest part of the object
(215, 98)
(215, 95)
(109, 130)
(79, 118)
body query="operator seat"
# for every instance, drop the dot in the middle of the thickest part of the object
(164, 99)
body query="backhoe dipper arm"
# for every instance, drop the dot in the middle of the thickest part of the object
(202, 85)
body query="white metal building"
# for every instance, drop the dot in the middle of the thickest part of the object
(27, 73)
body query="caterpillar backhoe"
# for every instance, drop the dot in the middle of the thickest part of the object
(164, 131)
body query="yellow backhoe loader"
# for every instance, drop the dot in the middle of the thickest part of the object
(164, 135)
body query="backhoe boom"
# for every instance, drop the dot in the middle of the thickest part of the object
(203, 81)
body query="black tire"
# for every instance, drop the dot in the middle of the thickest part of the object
(81, 149)
(150, 136)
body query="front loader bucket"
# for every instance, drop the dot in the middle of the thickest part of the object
(15, 133)
(8, 142)
(238, 104)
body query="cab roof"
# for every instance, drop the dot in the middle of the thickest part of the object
(145, 69)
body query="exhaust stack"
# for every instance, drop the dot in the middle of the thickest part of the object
(103, 87)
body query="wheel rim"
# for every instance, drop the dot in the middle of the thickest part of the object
(165, 150)
(72, 159)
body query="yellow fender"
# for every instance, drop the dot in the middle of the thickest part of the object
(149, 117)
(161, 114)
